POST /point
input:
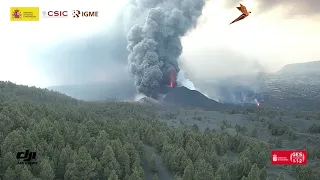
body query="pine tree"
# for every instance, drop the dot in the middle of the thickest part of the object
(185, 161)
(199, 154)
(224, 160)
(204, 171)
(304, 173)
(188, 172)
(244, 178)
(155, 177)
(25, 174)
(85, 164)
(255, 133)
(58, 140)
(82, 136)
(133, 154)
(8, 161)
(64, 159)
(46, 170)
(122, 157)
(177, 177)
(22, 172)
(280, 176)
(262, 159)
(178, 160)
(263, 173)
(211, 157)
(243, 166)
(218, 177)
(71, 172)
(238, 128)
(113, 175)
(124, 161)
(101, 143)
(109, 162)
(10, 174)
(195, 128)
(153, 163)
(12, 143)
(223, 173)
(135, 176)
(254, 173)
(246, 166)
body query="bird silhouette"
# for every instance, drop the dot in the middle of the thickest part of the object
(244, 14)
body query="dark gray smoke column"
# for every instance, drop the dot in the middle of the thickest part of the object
(155, 46)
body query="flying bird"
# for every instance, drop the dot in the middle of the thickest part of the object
(244, 14)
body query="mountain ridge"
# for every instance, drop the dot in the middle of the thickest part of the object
(301, 68)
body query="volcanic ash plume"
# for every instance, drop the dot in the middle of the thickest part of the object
(155, 46)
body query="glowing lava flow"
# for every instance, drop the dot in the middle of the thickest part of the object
(171, 75)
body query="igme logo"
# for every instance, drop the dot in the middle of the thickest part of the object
(78, 13)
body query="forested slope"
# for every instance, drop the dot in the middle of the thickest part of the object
(77, 140)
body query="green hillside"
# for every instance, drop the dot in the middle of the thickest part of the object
(77, 140)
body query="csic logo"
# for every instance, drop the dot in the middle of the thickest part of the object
(55, 14)
(78, 13)
(27, 156)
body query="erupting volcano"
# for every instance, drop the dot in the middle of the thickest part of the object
(155, 44)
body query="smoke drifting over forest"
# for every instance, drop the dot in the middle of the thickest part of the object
(155, 46)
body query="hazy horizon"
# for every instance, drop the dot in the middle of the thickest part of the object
(55, 52)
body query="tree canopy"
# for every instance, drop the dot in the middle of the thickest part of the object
(77, 140)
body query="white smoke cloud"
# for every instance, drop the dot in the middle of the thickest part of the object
(139, 96)
(183, 80)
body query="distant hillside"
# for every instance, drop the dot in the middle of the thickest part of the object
(99, 91)
(293, 91)
(9, 91)
(301, 68)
